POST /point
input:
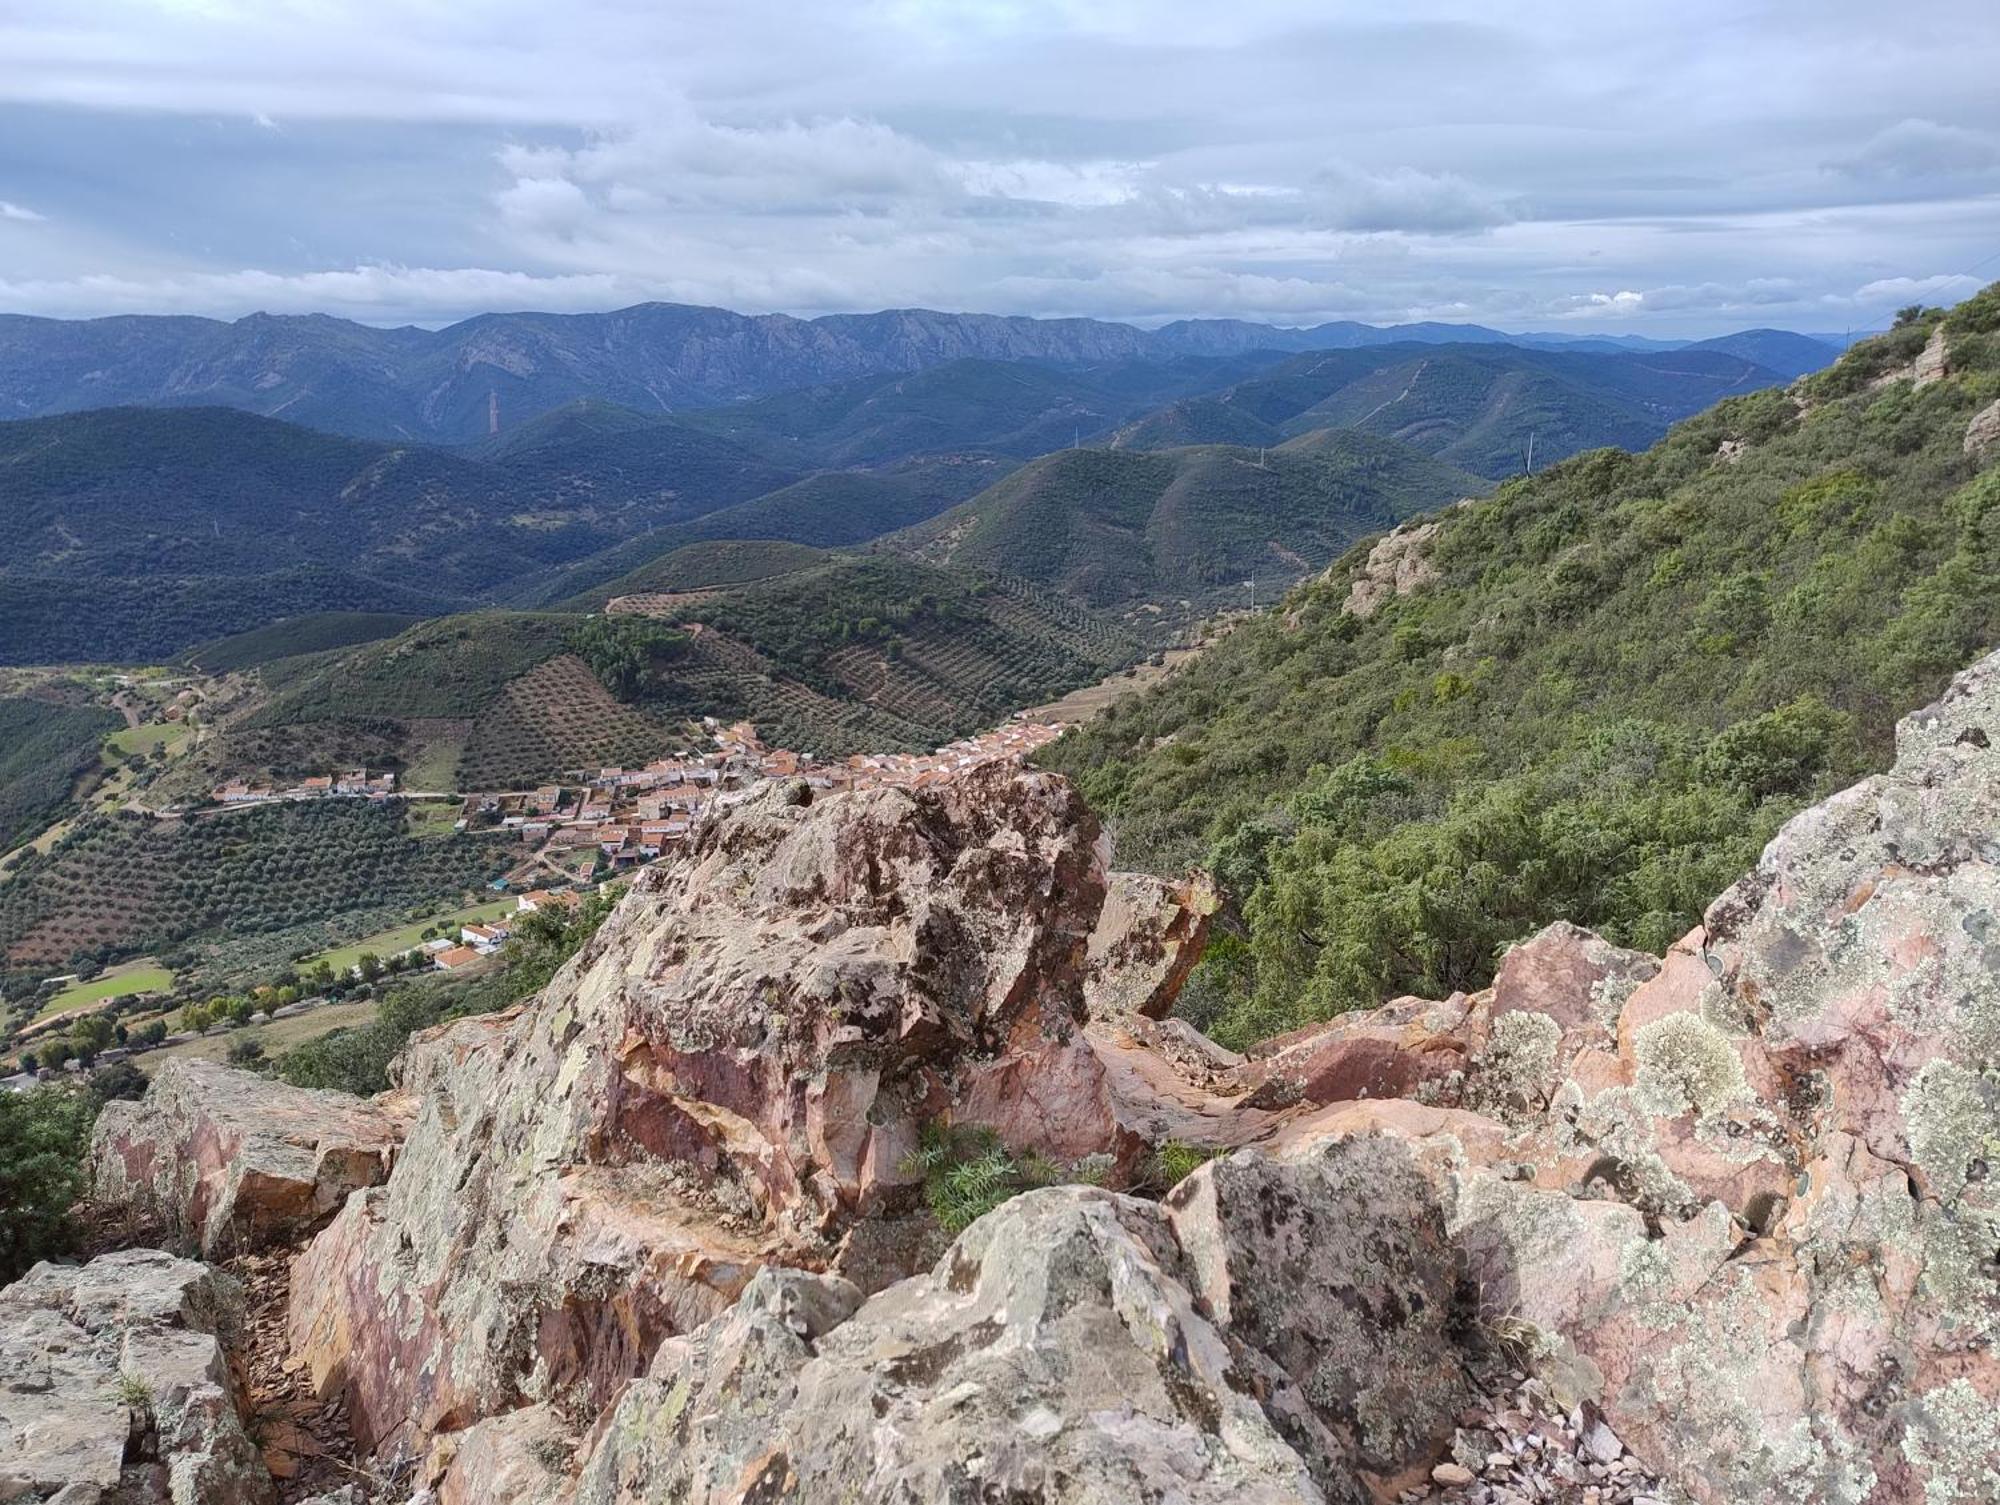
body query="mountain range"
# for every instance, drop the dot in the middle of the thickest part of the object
(487, 375)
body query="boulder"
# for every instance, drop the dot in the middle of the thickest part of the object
(1055, 1352)
(226, 1160)
(1149, 934)
(1982, 434)
(114, 1387)
(1395, 566)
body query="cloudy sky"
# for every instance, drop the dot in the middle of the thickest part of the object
(1656, 166)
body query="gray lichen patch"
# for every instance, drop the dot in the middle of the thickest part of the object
(1516, 1073)
(1954, 1437)
(1686, 1064)
(1953, 1118)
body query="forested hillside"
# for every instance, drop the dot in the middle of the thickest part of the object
(1169, 534)
(46, 745)
(1623, 675)
(1475, 406)
(827, 652)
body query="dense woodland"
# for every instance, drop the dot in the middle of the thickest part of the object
(1629, 671)
(46, 746)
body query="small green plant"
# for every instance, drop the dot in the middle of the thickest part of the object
(134, 1391)
(1173, 1162)
(969, 1172)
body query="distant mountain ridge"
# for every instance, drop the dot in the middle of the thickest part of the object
(1477, 406)
(487, 375)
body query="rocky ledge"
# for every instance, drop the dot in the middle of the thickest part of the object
(114, 1388)
(1718, 1226)
(221, 1161)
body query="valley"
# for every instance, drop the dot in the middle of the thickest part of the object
(390, 676)
(999, 754)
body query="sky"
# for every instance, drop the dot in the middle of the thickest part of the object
(1673, 169)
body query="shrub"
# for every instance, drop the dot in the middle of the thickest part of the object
(968, 1172)
(44, 1134)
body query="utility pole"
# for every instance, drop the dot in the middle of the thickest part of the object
(1531, 451)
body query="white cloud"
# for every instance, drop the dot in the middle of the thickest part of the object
(1677, 169)
(1892, 291)
(21, 212)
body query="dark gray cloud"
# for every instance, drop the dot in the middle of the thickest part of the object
(1666, 168)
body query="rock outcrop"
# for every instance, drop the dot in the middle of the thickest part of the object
(736, 1073)
(1713, 1226)
(1394, 567)
(1982, 433)
(224, 1160)
(114, 1389)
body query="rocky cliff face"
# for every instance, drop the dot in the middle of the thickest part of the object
(1716, 1226)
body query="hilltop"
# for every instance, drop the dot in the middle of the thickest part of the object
(1174, 534)
(1590, 697)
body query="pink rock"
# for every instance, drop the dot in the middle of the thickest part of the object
(226, 1160)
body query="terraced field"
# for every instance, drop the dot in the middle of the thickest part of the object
(117, 886)
(554, 717)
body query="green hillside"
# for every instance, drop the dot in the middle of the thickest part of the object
(1019, 408)
(122, 885)
(136, 534)
(1198, 420)
(1628, 671)
(708, 566)
(45, 747)
(1172, 534)
(664, 472)
(1473, 406)
(831, 509)
(586, 418)
(316, 632)
(867, 653)
(828, 652)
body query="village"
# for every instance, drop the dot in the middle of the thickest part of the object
(622, 817)
(596, 823)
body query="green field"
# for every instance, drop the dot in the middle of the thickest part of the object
(403, 937)
(431, 817)
(114, 982)
(151, 738)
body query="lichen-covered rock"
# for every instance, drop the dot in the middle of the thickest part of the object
(736, 1071)
(114, 1387)
(1148, 936)
(523, 1457)
(223, 1161)
(1982, 434)
(1056, 1352)
(1732, 1207)
(1395, 566)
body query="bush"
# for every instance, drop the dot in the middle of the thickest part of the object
(44, 1134)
